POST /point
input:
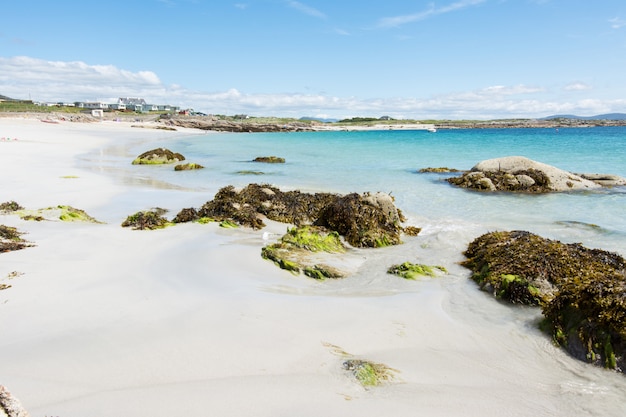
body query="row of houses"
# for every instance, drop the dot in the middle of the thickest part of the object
(122, 104)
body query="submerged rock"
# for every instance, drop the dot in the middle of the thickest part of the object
(519, 174)
(270, 159)
(158, 156)
(582, 292)
(188, 167)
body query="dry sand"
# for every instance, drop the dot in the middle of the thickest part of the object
(102, 320)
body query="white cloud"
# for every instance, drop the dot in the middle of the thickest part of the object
(430, 12)
(617, 23)
(577, 87)
(306, 9)
(41, 80)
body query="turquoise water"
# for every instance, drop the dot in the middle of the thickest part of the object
(388, 161)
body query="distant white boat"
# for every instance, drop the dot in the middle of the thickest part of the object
(431, 129)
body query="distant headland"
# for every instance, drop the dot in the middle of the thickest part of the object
(172, 117)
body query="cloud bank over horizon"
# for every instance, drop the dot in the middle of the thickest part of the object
(25, 77)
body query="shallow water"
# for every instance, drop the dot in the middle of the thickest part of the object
(521, 357)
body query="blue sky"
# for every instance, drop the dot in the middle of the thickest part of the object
(455, 59)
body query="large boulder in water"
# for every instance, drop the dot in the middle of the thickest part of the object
(520, 174)
(158, 156)
(582, 292)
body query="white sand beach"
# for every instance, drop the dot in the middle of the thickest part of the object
(189, 320)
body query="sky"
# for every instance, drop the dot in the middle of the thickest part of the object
(407, 59)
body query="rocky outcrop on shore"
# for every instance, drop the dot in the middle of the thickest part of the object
(241, 126)
(581, 291)
(520, 174)
(365, 220)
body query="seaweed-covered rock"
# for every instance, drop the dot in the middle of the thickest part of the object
(10, 206)
(148, 219)
(11, 239)
(519, 174)
(187, 167)
(269, 159)
(582, 291)
(293, 251)
(186, 215)
(368, 220)
(437, 170)
(158, 156)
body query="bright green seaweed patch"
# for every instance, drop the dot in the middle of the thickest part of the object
(408, 270)
(63, 213)
(369, 374)
(228, 224)
(274, 254)
(71, 214)
(314, 239)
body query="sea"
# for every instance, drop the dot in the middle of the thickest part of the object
(450, 218)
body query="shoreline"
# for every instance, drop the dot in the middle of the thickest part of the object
(211, 123)
(106, 321)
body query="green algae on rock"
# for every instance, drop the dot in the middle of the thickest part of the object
(71, 214)
(369, 374)
(148, 219)
(408, 270)
(60, 212)
(581, 291)
(158, 156)
(291, 252)
(188, 167)
(269, 159)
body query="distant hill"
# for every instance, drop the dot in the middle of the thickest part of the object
(5, 98)
(319, 119)
(609, 116)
